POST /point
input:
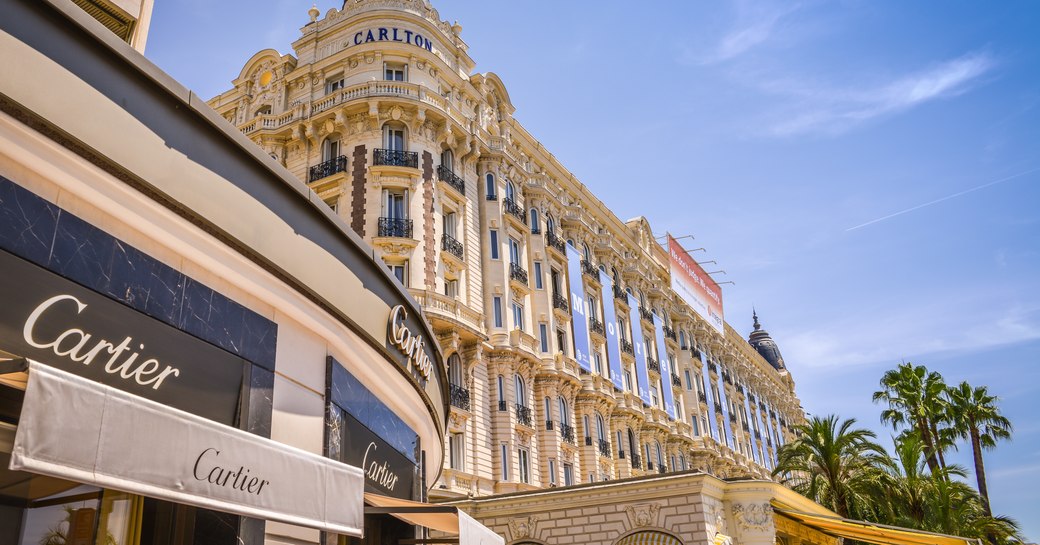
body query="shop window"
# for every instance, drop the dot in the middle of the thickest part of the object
(494, 244)
(497, 302)
(523, 458)
(568, 474)
(518, 316)
(457, 450)
(538, 281)
(395, 71)
(543, 337)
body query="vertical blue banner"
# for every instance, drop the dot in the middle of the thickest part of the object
(666, 368)
(709, 399)
(642, 375)
(579, 321)
(611, 326)
(756, 424)
(769, 427)
(751, 428)
(726, 429)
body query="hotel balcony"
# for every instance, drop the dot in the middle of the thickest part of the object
(514, 210)
(596, 326)
(676, 381)
(702, 397)
(627, 347)
(459, 397)
(604, 448)
(327, 168)
(453, 180)
(555, 242)
(567, 433)
(669, 333)
(588, 268)
(396, 158)
(620, 293)
(645, 314)
(653, 365)
(523, 415)
(636, 462)
(559, 302)
(395, 227)
(452, 246)
(517, 273)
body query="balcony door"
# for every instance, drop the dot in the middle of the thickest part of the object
(514, 252)
(330, 149)
(395, 204)
(449, 222)
(393, 138)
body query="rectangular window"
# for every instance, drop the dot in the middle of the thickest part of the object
(628, 380)
(689, 383)
(494, 244)
(451, 288)
(393, 71)
(561, 341)
(395, 204)
(593, 307)
(552, 471)
(514, 251)
(518, 316)
(448, 222)
(525, 471)
(334, 83)
(653, 396)
(696, 428)
(598, 361)
(592, 477)
(457, 450)
(538, 283)
(568, 474)
(505, 462)
(400, 271)
(498, 311)
(543, 337)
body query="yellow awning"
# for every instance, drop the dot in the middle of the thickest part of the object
(870, 532)
(649, 538)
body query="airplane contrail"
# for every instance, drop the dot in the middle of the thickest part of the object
(946, 198)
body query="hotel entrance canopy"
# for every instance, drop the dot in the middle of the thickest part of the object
(870, 532)
(443, 518)
(77, 429)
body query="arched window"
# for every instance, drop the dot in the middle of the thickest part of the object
(521, 391)
(510, 191)
(394, 136)
(534, 221)
(617, 277)
(330, 148)
(642, 299)
(548, 413)
(570, 242)
(550, 224)
(501, 393)
(682, 339)
(586, 253)
(448, 160)
(489, 186)
(632, 444)
(455, 371)
(660, 457)
(586, 428)
(565, 417)
(601, 429)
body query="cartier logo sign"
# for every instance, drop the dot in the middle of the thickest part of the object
(410, 344)
(237, 479)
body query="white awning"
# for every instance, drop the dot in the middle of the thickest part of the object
(443, 518)
(77, 429)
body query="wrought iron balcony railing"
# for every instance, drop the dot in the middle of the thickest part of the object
(713, 368)
(560, 302)
(636, 462)
(740, 388)
(733, 418)
(676, 381)
(502, 407)
(445, 174)
(523, 414)
(513, 209)
(662, 468)
(604, 447)
(627, 347)
(452, 246)
(492, 196)
(588, 268)
(702, 397)
(646, 314)
(395, 227)
(621, 454)
(548, 425)
(327, 168)
(567, 433)
(518, 273)
(758, 434)
(620, 293)
(555, 242)
(649, 465)
(459, 396)
(670, 333)
(396, 158)
(718, 407)
(596, 326)
(588, 440)
(653, 365)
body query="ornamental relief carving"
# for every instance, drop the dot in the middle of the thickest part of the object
(756, 517)
(643, 514)
(520, 528)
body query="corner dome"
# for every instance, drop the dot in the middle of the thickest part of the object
(765, 345)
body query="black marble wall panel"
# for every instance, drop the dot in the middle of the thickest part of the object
(347, 392)
(43, 233)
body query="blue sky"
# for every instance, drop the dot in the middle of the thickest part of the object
(867, 173)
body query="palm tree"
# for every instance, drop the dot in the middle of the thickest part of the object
(834, 464)
(976, 417)
(915, 400)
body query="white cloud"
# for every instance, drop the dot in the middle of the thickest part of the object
(827, 110)
(755, 25)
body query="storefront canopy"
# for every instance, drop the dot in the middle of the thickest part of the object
(77, 429)
(870, 532)
(443, 518)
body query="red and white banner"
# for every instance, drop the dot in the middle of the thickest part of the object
(695, 286)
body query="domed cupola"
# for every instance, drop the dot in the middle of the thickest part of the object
(765, 345)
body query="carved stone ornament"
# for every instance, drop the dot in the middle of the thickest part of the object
(753, 516)
(643, 514)
(521, 528)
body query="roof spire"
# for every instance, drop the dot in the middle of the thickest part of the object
(764, 344)
(754, 315)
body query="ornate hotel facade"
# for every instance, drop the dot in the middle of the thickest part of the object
(381, 112)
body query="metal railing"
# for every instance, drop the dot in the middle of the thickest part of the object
(559, 302)
(588, 440)
(670, 333)
(604, 447)
(327, 168)
(718, 407)
(395, 227)
(548, 425)
(676, 381)
(567, 433)
(396, 158)
(636, 462)
(502, 407)
(646, 314)
(620, 293)
(523, 414)
(555, 242)
(445, 175)
(518, 273)
(513, 209)
(588, 268)
(596, 326)
(653, 365)
(702, 397)
(452, 246)
(627, 347)
(459, 396)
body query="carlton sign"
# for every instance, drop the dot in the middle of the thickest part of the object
(410, 344)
